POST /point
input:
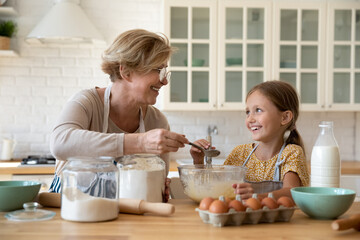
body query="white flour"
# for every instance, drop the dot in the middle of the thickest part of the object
(78, 206)
(144, 180)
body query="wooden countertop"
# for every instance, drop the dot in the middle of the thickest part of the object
(15, 167)
(185, 223)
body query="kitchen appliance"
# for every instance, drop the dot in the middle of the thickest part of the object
(65, 23)
(38, 160)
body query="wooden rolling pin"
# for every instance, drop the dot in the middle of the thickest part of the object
(344, 224)
(134, 206)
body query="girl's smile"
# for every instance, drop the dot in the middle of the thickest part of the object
(263, 118)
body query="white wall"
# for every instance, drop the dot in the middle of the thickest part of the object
(35, 85)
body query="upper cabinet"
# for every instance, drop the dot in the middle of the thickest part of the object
(299, 49)
(244, 42)
(343, 66)
(191, 27)
(225, 47)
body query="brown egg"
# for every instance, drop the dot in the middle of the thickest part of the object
(205, 203)
(218, 206)
(253, 203)
(227, 200)
(237, 205)
(285, 201)
(269, 202)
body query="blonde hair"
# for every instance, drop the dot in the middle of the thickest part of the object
(136, 50)
(285, 98)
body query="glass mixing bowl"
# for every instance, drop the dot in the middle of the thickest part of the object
(200, 181)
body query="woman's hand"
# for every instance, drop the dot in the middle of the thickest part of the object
(166, 193)
(160, 141)
(244, 189)
(197, 154)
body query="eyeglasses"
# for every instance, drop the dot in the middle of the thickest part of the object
(163, 73)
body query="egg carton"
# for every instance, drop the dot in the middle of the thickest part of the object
(232, 217)
(249, 216)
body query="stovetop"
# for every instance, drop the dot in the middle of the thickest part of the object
(38, 159)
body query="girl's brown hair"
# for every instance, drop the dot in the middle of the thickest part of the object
(136, 50)
(285, 98)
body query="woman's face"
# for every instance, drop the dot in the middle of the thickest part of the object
(263, 119)
(147, 86)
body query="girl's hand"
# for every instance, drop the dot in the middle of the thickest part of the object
(244, 189)
(197, 154)
(166, 193)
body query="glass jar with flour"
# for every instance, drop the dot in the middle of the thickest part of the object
(142, 176)
(325, 158)
(90, 189)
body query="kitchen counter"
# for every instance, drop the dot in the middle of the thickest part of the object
(185, 223)
(15, 167)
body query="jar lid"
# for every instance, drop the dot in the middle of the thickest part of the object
(30, 213)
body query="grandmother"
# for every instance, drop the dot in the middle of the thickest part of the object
(120, 119)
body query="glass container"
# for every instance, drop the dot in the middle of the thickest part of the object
(90, 189)
(142, 176)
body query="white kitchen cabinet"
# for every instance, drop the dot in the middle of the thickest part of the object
(244, 44)
(225, 42)
(299, 49)
(232, 45)
(343, 46)
(191, 27)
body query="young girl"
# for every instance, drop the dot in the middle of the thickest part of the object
(276, 162)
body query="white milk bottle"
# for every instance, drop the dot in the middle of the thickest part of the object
(325, 158)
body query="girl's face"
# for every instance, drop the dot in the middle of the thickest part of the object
(263, 119)
(147, 86)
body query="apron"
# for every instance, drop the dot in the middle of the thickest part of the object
(107, 111)
(268, 186)
(99, 180)
(101, 186)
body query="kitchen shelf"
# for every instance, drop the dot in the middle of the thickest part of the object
(8, 53)
(4, 13)
(7, 12)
